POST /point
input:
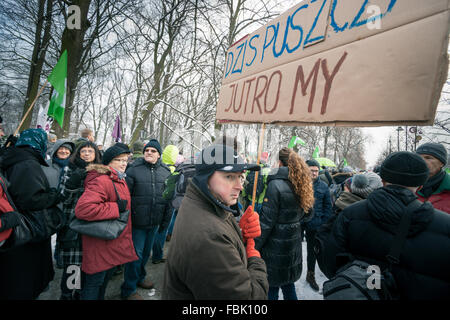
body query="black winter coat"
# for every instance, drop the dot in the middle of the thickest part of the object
(280, 243)
(146, 184)
(27, 270)
(367, 228)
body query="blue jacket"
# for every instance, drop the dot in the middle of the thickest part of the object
(322, 205)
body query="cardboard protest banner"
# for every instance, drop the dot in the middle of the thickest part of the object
(340, 62)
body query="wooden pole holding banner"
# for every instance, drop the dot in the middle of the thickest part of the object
(31, 107)
(260, 144)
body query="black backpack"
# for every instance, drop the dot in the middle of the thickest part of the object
(356, 280)
(184, 172)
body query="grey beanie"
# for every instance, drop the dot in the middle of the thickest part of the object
(68, 145)
(364, 184)
(436, 150)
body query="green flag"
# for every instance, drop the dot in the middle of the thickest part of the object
(58, 79)
(316, 153)
(345, 162)
(295, 140)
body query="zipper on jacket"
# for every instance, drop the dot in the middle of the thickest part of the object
(153, 187)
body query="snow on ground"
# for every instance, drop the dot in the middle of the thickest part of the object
(302, 288)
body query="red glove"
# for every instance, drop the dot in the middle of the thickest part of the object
(249, 224)
(250, 248)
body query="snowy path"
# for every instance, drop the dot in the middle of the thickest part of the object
(303, 290)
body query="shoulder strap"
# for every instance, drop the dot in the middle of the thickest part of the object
(114, 185)
(394, 254)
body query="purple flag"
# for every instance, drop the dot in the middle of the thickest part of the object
(117, 132)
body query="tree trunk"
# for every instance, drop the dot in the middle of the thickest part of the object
(72, 41)
(38, 57)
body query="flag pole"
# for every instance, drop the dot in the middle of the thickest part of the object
(31, 107)
(261, 139)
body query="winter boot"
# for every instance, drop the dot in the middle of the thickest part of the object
(312, 281)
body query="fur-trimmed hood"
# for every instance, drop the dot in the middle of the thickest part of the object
(100, 168)
(95, 170)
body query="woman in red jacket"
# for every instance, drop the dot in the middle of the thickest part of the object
(100, 202)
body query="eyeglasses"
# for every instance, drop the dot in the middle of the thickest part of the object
(151, 150)
(88, 151)
(121, 160)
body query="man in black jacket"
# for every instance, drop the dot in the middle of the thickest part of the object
(322, 212)
(150, 214)
(367, 229)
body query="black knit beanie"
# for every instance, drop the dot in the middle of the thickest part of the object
(312, 163)
(154, 144)
(436, 150)
(113, 152)
(404, 168)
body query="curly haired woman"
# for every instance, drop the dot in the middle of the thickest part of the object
(289, 199)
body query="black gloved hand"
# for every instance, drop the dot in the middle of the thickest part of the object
(9, 220)
(11, 141)
(76, 179)
(54, 197)
(122, 204)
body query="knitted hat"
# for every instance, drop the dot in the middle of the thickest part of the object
(113, 152)
(404, 168)
(169, 155)
(68, 145)
(34, 138)
(154, 144)
(313, 163)
(436, 150)
(363, 184)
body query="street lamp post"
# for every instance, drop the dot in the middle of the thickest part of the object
(398, 137)
(406, 138)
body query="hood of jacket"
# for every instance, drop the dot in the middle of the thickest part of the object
(96, 170)
(387, 205)
(278, 173)
(347, 198)
(58, 144)
(169, 156)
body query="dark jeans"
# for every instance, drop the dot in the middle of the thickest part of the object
(158, 245)
(288, 292)
(94, 285)
(172, 221)
(311, 256)
(135, 271)
(160, 240)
